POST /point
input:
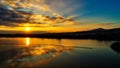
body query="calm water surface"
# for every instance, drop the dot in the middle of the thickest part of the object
(57, 53)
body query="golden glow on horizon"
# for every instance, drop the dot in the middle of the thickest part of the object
(26, 28)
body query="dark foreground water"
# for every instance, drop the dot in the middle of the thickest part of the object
(57, 53)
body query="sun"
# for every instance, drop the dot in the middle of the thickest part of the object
(27, 28)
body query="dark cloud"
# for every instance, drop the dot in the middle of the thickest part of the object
(12, 16)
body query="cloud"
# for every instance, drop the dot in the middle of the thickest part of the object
(15, 12)
(8, 15)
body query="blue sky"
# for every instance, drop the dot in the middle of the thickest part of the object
(108, 9)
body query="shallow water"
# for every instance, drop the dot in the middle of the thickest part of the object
(57, 53)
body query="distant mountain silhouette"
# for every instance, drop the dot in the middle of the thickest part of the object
(99, 29)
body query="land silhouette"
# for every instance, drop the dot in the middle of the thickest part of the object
(116, 47)
(99, 34)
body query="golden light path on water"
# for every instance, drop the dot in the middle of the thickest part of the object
(27, 41)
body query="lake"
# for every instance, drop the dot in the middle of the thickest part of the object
(57, 53)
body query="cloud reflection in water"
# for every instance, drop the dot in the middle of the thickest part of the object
(32, 55)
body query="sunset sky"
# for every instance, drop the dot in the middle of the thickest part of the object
(58, 15)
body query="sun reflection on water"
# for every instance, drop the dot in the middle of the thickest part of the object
(27, 41)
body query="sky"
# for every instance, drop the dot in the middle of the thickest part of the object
(58, 15)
